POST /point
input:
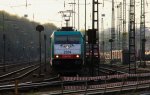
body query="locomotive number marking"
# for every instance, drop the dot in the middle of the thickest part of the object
(67, 52)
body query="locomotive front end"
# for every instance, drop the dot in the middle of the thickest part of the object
(68, 51)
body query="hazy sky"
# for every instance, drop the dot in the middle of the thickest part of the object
(47, 10)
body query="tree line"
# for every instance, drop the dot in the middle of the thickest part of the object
(21, 38)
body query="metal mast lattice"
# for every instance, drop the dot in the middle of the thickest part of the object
(132, 57)
(142, 34)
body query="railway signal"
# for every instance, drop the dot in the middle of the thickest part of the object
(40, 28)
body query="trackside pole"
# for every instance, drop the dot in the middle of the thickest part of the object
(86, 87)
(105, 86)
(62, 87)
(149, 85)
(16, 87)
(123, 82)
(137, 83)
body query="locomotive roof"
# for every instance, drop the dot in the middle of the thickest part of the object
(67, 32)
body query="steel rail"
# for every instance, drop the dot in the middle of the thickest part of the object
(93, 91)
(112, 70)
(21, 76)
(11, 73)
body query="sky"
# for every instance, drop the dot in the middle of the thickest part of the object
(47, 11)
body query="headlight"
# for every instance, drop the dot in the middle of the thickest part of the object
(57, 56)
(77, 56)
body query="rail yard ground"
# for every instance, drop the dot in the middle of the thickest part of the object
(130, 93)
(32, 84)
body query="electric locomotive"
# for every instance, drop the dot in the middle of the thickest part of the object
(67, 50)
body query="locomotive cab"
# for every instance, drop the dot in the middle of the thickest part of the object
(67, 50)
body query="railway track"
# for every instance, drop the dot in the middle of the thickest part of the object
(14, 64)
(18, 74)
(110, 71)
(110, 90)
(13, 67)
(26, 73)
(8, 80)
(51, 82)
(125, 68)
(103, 69)
(66, 87)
